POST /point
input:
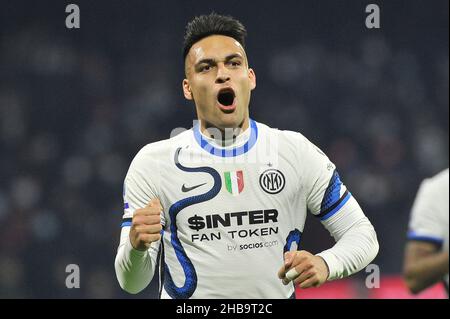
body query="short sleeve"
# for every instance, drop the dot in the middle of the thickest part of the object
(425, 222)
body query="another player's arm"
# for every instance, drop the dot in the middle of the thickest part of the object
(424, 265)
(424, 262)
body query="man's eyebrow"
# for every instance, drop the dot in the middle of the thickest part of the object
(207, 61)
(212, 61)
(232, 56)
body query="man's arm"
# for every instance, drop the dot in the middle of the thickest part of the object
(356, 241)
(137, 253)
(139, 244)
(327, 198)
(424, 265)
(134, 268)
(356, 246)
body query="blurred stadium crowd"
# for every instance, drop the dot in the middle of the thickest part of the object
(76, 106)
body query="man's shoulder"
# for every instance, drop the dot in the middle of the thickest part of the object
(441, 179)
(437, 184)
(161, 148)
(285, 136)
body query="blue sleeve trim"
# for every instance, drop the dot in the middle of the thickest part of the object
(435, 240)
(126, 222)
(336, 207)
(332, 193)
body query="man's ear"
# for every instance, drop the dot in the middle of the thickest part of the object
(252, 78)
(187, 90)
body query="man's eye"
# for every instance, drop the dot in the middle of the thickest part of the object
(235, 63)
(205, 68)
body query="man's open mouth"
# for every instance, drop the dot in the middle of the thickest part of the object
(226, 97)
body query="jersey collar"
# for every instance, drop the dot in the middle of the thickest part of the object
(206, 143)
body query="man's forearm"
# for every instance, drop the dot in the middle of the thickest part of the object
(356, 242)
(426, 271)
(352, 252)
(134, 268)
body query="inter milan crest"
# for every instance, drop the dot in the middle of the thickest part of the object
(234, 181)
(272, 181)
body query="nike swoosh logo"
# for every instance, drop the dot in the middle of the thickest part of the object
(185, 189)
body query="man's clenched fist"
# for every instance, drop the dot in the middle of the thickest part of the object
(304, 269)
(146, 225)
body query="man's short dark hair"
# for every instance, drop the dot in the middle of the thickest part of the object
(205, 25)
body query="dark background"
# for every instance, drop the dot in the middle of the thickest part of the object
(77, 104)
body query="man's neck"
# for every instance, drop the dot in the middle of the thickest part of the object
(224, 136)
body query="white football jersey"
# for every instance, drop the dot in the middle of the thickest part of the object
(429, 216)
(231, 211)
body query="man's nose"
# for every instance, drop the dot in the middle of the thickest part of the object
(222, 74)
